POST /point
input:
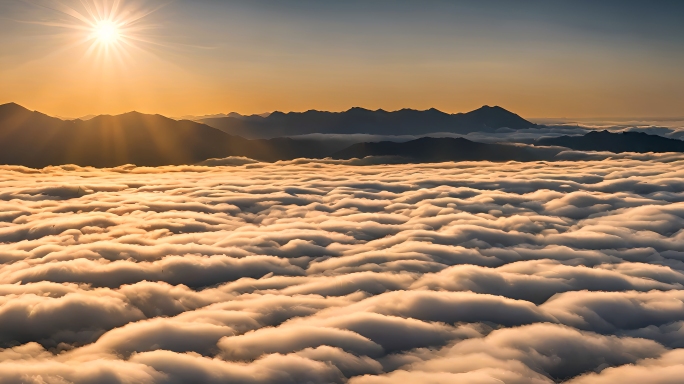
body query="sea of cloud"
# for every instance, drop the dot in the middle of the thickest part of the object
(330, 272)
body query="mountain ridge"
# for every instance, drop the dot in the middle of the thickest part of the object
(430, 149)
(616, 142)
(379, 122)
(34, 139)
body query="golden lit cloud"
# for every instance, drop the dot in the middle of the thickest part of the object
(320, 272)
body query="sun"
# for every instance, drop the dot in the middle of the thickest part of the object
(113, 30)
(106, 32)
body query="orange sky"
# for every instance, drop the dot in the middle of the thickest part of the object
(211, 57)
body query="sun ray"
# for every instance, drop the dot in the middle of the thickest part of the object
(108, 27)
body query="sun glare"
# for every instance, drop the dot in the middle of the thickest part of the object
(109, 29)
(106, 32)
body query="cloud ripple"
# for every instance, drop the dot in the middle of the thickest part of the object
(330, 272)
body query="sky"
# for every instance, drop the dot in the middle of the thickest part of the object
(179, 57)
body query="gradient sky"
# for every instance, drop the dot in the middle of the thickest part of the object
(537, 58)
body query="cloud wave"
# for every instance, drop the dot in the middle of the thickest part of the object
(326, 271)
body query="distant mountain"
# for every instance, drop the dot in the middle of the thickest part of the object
(37, 140)
(359, 120)
(616, 142)
(430, 149)
(217, 116)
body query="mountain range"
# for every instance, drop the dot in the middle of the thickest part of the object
(430, 149)
(616, 142)
(34, 139)
(360, 120)
(37, 140)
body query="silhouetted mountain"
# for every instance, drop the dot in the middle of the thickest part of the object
(616, 142)
(216, 116)
(34, 139)
(430, 149)
(37, 140)
(359, 120)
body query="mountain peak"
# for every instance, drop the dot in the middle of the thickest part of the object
(16, 111)
(358, 109)
(492, 108)
(13, 107)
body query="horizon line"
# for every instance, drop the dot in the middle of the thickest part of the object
(209, 115)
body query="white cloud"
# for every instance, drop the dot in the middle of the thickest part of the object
(328, 271)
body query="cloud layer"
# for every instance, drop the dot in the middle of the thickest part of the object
(329, 272)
